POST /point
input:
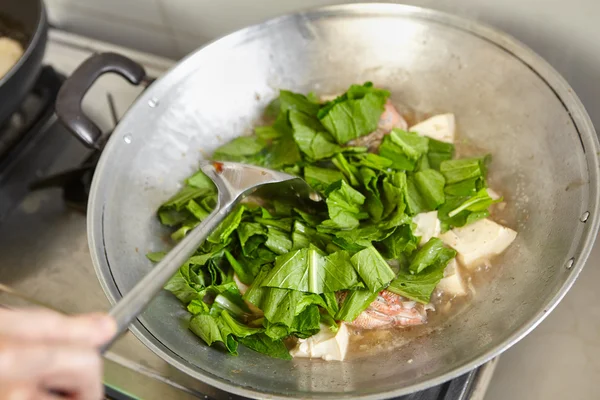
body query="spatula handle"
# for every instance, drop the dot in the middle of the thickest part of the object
(138, 298)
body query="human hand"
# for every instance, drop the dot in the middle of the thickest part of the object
(43, 352)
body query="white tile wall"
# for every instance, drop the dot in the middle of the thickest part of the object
(139, 12)
(173, 28)
(138, 24)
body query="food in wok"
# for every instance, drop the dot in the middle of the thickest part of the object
(406, 227)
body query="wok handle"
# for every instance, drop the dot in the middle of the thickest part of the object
(70, 96)
(136, 300)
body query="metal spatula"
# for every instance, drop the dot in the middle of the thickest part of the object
(234, 182)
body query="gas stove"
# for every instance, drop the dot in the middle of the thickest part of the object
(45, 176)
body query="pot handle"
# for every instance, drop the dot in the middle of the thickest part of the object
(70, 96)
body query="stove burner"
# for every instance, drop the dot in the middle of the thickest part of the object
(30, 118)
(76, 183)
(21, 136)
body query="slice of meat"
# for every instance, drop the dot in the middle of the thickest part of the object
(370, 141)
(391, 118)
(389, 310)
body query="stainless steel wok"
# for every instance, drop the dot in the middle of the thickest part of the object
(507, 100)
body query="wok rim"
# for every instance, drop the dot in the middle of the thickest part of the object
(572, 104)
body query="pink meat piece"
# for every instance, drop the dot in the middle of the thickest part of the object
(389, 310)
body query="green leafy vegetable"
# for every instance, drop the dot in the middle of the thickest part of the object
(403, 148)
(349, 170)
(311, 138)
(415, 203)
(291, 101)
(344, 205)
(430, 185)
(394, 193)
(200, 181)
(281, 153)
(427, 255)
(246, 230)
(354, 114)
(460, 170)
(439, 151)
(373, 202)
(321, 178)
(401, 242)
(156, 256)
(417, 287)
(307, 322)
(181, 199)
(237, 328)
(420, 286)
(303, 236)
(372, 268)
(280, 305)
(180, 287)
(468, 187)
(244, 274)
(264, 344)
(239, 148)
(355, 302)
(278, 241)
(308, 270)
(480, 202)
(463, 210)
(374, 161)
(266, 132)
(196, 210)
(212, 329)
(228, 226)
(300, 270)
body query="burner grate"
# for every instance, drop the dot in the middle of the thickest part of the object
(20, 160)
(28, 121)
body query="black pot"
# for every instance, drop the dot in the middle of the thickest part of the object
(26, 22)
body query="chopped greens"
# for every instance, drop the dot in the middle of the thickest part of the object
(430, 262)
(344, 206)
(310, 268)
(355, 113)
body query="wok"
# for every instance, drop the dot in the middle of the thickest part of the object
(24, 21)
(507, 100)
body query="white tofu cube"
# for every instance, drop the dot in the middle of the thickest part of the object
(440, 127)
(479, 241)
(428, 226)
(326, 345)
(453, 283)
